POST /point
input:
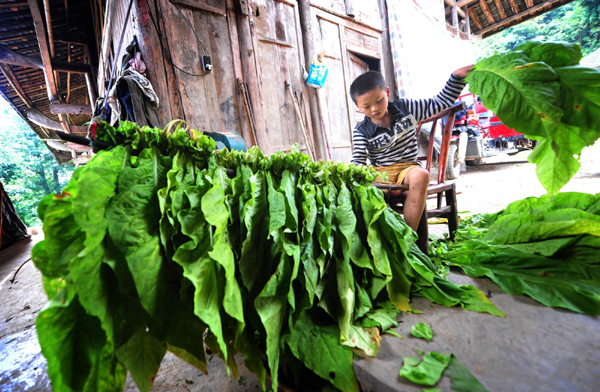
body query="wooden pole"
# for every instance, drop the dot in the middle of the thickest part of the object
(12, 80)
(310, 54)
(311, 152)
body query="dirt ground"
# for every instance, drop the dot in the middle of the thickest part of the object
(486, 188)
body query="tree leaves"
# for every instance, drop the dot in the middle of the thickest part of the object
(541, 92)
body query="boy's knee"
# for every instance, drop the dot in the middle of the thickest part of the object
(418, 177)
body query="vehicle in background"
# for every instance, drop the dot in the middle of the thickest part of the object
(478, 133)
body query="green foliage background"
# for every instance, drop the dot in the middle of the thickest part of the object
(27, 169)
(577, 22)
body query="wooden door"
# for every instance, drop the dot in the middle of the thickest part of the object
(357, 68)
(278, 46)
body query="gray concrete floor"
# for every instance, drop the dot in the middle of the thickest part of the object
(533, 349)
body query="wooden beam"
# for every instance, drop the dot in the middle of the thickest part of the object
(64, 108)
(529, 3)
(49, 27)
(460, 11)
(43, 44)
(37, 117)
(486, 11)
(500, 8)
(475, 18)
(11, 57)
(14, 5)
(197, 5)
(517, 16)
(12, 80)
(468, 3)
(514, 6)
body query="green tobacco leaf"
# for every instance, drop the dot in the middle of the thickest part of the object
(216, 213)
(133, 216)
(271, 306)
(142, 354)
(426, 372)
(555, 54)
(462, 379)
(318, 347)
(432, 390)
(366, 339)
(553, 170)
(76, 349)
(422, 330)
(543, 279)
(524, 94)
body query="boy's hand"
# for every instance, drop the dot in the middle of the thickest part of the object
(464, 71)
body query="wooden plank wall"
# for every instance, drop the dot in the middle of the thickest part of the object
(263, 47)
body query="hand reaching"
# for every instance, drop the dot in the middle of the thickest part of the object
(464, 71)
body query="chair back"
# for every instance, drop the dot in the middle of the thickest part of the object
(450, 114)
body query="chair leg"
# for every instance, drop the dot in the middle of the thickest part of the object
(423, 233)
(453, 214)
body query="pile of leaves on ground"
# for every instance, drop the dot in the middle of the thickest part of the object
(164, 243)
(540, 90)
(547, 248)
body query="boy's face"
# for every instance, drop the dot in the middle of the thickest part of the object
(374, 103)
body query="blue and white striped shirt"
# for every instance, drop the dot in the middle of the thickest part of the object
(386, 147)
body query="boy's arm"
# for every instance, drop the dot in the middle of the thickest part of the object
(425, 108)
(359, 154)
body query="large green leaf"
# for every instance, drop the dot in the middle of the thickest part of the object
(133, 223)
(524, 94)
(142, 354)
(75, 346)
(318, 347)
(555, 54)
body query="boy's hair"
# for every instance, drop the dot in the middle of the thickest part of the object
(366, 82)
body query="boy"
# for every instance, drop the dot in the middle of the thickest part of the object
(387, 135)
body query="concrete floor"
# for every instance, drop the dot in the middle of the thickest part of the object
(533, 349)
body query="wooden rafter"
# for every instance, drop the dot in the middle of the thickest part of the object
(468, 3)
(11, 57)
(475, 18)
(486, 11)
(517, 16)
(500, 8)
(12, 80)
(529, 3)
(44, 51)
(514, 6)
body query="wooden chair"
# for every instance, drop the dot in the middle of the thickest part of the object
(442, 190)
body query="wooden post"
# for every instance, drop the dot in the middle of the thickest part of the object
(310, 54)
(387, 63)
(455, 19)
(251, 74)
(350, 8)
(467, 24)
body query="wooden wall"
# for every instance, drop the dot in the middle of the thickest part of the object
(261, 44)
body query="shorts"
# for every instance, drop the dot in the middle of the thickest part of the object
(396, 172)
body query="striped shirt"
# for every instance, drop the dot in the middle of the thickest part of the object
(385, 146)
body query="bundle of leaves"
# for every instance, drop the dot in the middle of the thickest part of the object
(541, 92)
(546, 248)
(163, 243)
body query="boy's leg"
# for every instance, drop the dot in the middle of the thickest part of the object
(417, 180)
